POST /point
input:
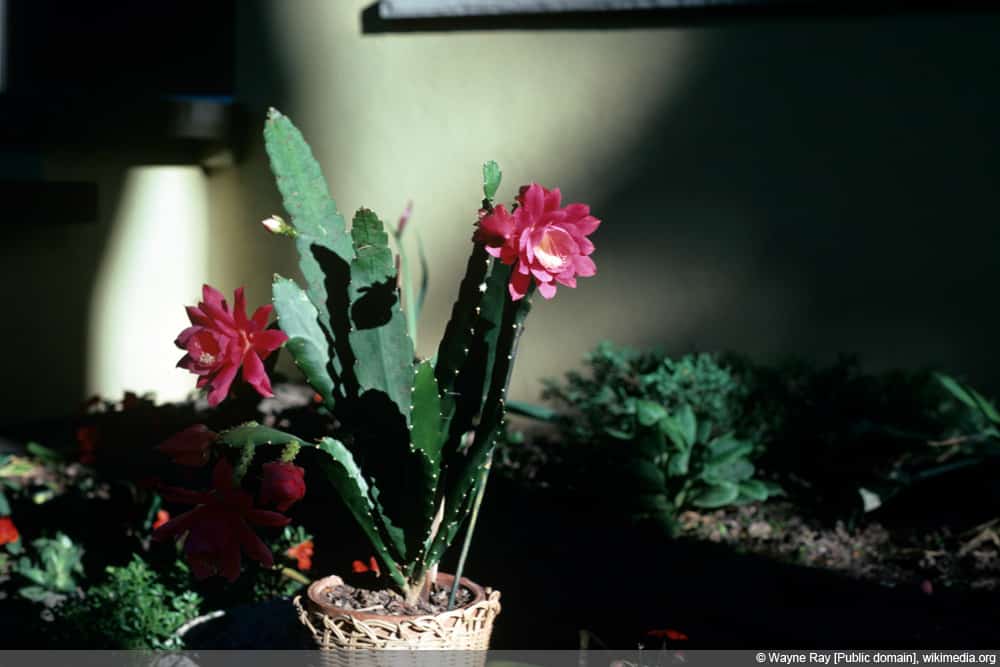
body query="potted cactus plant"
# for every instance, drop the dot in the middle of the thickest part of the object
(411, 439)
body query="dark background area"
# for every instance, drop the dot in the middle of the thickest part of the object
(825, 178)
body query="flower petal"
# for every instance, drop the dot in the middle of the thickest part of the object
(196, 316)
(518, 287)
(229, 560)
(585, 266)
(267, 518)
(222, 476)
(184, 336)
(255, 375)
(547, 290)
(253, 545)
(267, 341)
(240, 308)
(221, 384)
(212, 296)
(176, 526)
(262, 315)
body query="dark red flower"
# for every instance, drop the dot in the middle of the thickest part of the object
(302, 553)
(221, 341)
(190, 447)
(86, 437)
(8, 531)
(219, 527)
(162, 517)
(282, 485)
(359, 567)
(669, 633)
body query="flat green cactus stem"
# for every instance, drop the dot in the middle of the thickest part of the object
(382, 348)
(307, 344)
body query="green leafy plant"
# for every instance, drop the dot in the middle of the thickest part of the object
(604, 401)
(413, 438)
(664, 428)
(132, 609)
(52, 573)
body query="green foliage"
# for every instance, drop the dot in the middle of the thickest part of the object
(669, 433)
(491, 179)
(132, 609)
(52, 572)
(677, 461)
(622, 384)
(840, 440)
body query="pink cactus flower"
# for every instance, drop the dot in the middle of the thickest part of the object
(541, 239)
(219, 527)
(220, 341)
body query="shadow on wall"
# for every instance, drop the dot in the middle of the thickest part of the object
(813, 186)
(817, 188)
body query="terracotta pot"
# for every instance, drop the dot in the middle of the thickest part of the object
(344, 631)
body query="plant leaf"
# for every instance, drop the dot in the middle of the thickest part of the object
(381, 346)
(307, 344)
(491, 179)
(716, 495)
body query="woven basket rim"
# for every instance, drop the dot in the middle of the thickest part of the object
(316, 603)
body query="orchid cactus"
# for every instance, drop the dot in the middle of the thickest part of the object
(414, 436)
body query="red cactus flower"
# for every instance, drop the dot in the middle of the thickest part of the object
(541, 240)
(162, 517)
(283, 484)
(86, 438)
(219, 527)
(359, 567)
(190, 447)
(220, 341)
(302, 553)
(8, 531)
(669, 633)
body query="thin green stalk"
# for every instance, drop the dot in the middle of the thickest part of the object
(483, 477)
(295, 575)
(412, 310)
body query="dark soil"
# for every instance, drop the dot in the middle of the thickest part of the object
(392, 603)
(924, 559)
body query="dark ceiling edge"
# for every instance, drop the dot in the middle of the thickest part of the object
(372, 23)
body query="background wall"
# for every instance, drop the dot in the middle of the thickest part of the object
(776, 187)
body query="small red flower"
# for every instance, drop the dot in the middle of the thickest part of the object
(221, 341)
(219, 527)
(162, 517)
(669, 633)
(190, 447)
(359, 567)
(282, 485)
(8, 531)
(302, 553)
(86, 437)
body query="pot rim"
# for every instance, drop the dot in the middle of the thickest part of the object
(316, 588)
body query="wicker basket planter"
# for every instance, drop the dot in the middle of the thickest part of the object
(342, 634)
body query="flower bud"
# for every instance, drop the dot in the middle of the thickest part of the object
(277, 226)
